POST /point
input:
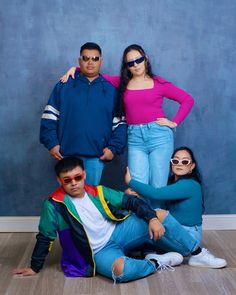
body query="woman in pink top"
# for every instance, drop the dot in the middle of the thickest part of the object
(150, 135)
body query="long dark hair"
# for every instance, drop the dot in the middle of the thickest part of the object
(195, 174)
(126, 76)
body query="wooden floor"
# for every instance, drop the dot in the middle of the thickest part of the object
(16, 248)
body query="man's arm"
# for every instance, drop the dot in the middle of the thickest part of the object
(45, 237)
(49, 124)
(138, 206)
(132, 203)
(40, 252)
(118, 139)
(144, 211)
(128, 202)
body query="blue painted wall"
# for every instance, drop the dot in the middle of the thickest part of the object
(191, 43)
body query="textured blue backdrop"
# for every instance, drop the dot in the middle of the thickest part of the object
(191, 43)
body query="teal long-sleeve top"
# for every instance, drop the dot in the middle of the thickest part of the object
(184, 199)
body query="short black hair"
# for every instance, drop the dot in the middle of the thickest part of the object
(91, 46)
(68, 164)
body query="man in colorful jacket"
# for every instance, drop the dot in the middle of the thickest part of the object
(82, 119)
(96, 228)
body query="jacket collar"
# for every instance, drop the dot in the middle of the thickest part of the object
(59, 194)
(83, 78)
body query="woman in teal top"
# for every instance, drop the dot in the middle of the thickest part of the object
(183, 196)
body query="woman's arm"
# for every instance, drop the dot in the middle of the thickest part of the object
(69, 73)
(114, 80)
(185, 100)
(178, 191)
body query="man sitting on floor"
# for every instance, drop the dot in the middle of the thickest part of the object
(97, 226)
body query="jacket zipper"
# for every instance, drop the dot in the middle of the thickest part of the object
(94, 269)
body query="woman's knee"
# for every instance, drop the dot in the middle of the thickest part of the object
(118, 267)
(161, 214)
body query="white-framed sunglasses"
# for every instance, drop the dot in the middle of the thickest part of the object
(185, 162)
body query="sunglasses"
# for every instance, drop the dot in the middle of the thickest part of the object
(93, 58)
(139, 60)
(76, 178)
(185, 162)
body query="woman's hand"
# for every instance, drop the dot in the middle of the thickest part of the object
(70, 72)
(166, 122)
(130, 191)
(127, 176)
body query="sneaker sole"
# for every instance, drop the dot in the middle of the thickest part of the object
(208, 266)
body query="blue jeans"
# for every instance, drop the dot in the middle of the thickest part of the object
(195, 231)
(150, 147)
(132, 233)
(93, 168)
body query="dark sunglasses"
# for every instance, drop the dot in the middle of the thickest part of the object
(185, 162)
(76, 178)
(87, 58)
(139, 60)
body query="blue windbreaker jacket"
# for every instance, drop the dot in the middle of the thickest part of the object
(80, 117)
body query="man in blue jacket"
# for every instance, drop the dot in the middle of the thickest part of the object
(80, 118)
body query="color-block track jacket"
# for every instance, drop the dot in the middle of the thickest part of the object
(60, 216)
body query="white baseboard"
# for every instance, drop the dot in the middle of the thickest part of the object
(30, 223)
(19, 224)
(219, 222)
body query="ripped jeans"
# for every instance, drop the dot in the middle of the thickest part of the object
(132, 233)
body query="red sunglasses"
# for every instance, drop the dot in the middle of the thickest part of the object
(76, 178)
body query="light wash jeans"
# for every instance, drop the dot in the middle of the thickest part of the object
(132, 233)
(195, 231)
(150, 147)
(93, 168)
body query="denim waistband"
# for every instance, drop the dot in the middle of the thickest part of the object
(147, 126)
(150, 124)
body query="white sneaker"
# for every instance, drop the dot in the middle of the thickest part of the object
(167, 260)
(206, 259)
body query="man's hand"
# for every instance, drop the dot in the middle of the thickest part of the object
(70, 72)
(55, 152)
(166, 122)
(25, 272)
(107, 155)
(127, 176)
(156, 229)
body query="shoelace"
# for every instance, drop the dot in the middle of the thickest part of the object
(163, 266)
